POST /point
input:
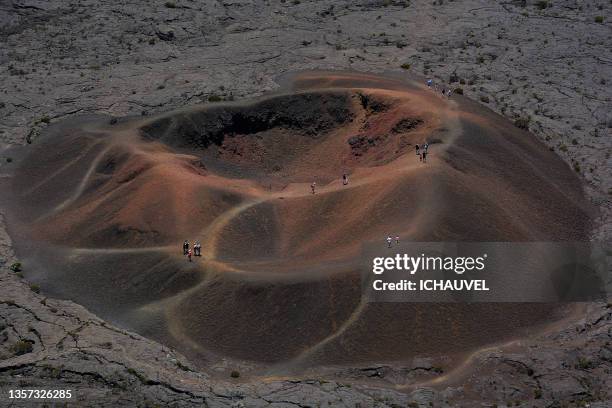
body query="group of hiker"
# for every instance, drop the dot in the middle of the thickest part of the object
(390, 241)
(313, 186)
(421, 151)
(445, 92)
(189, 252)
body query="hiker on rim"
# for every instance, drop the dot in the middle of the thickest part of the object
(313, 186)
(389, 241)
(197, 249)
(417, 150)
(397, 240)
(424, 155)
(449, 93)
(344, 179)
(189, 253)
(429, 82)
(185, 247)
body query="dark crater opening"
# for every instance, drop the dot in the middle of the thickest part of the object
(306, 114)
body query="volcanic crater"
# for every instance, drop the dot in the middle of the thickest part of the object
(102, 209)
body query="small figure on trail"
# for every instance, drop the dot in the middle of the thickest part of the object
(313, 186)
(425, 147)
(344, 179)
(397, 240)
(417, 149)
(197, 249)
(424, 155)
(449, 93)
(429, 82)
(189, 253)
(185, 247)
(443, 91)
(389, 241)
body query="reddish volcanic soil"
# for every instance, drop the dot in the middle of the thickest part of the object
(100, 212)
